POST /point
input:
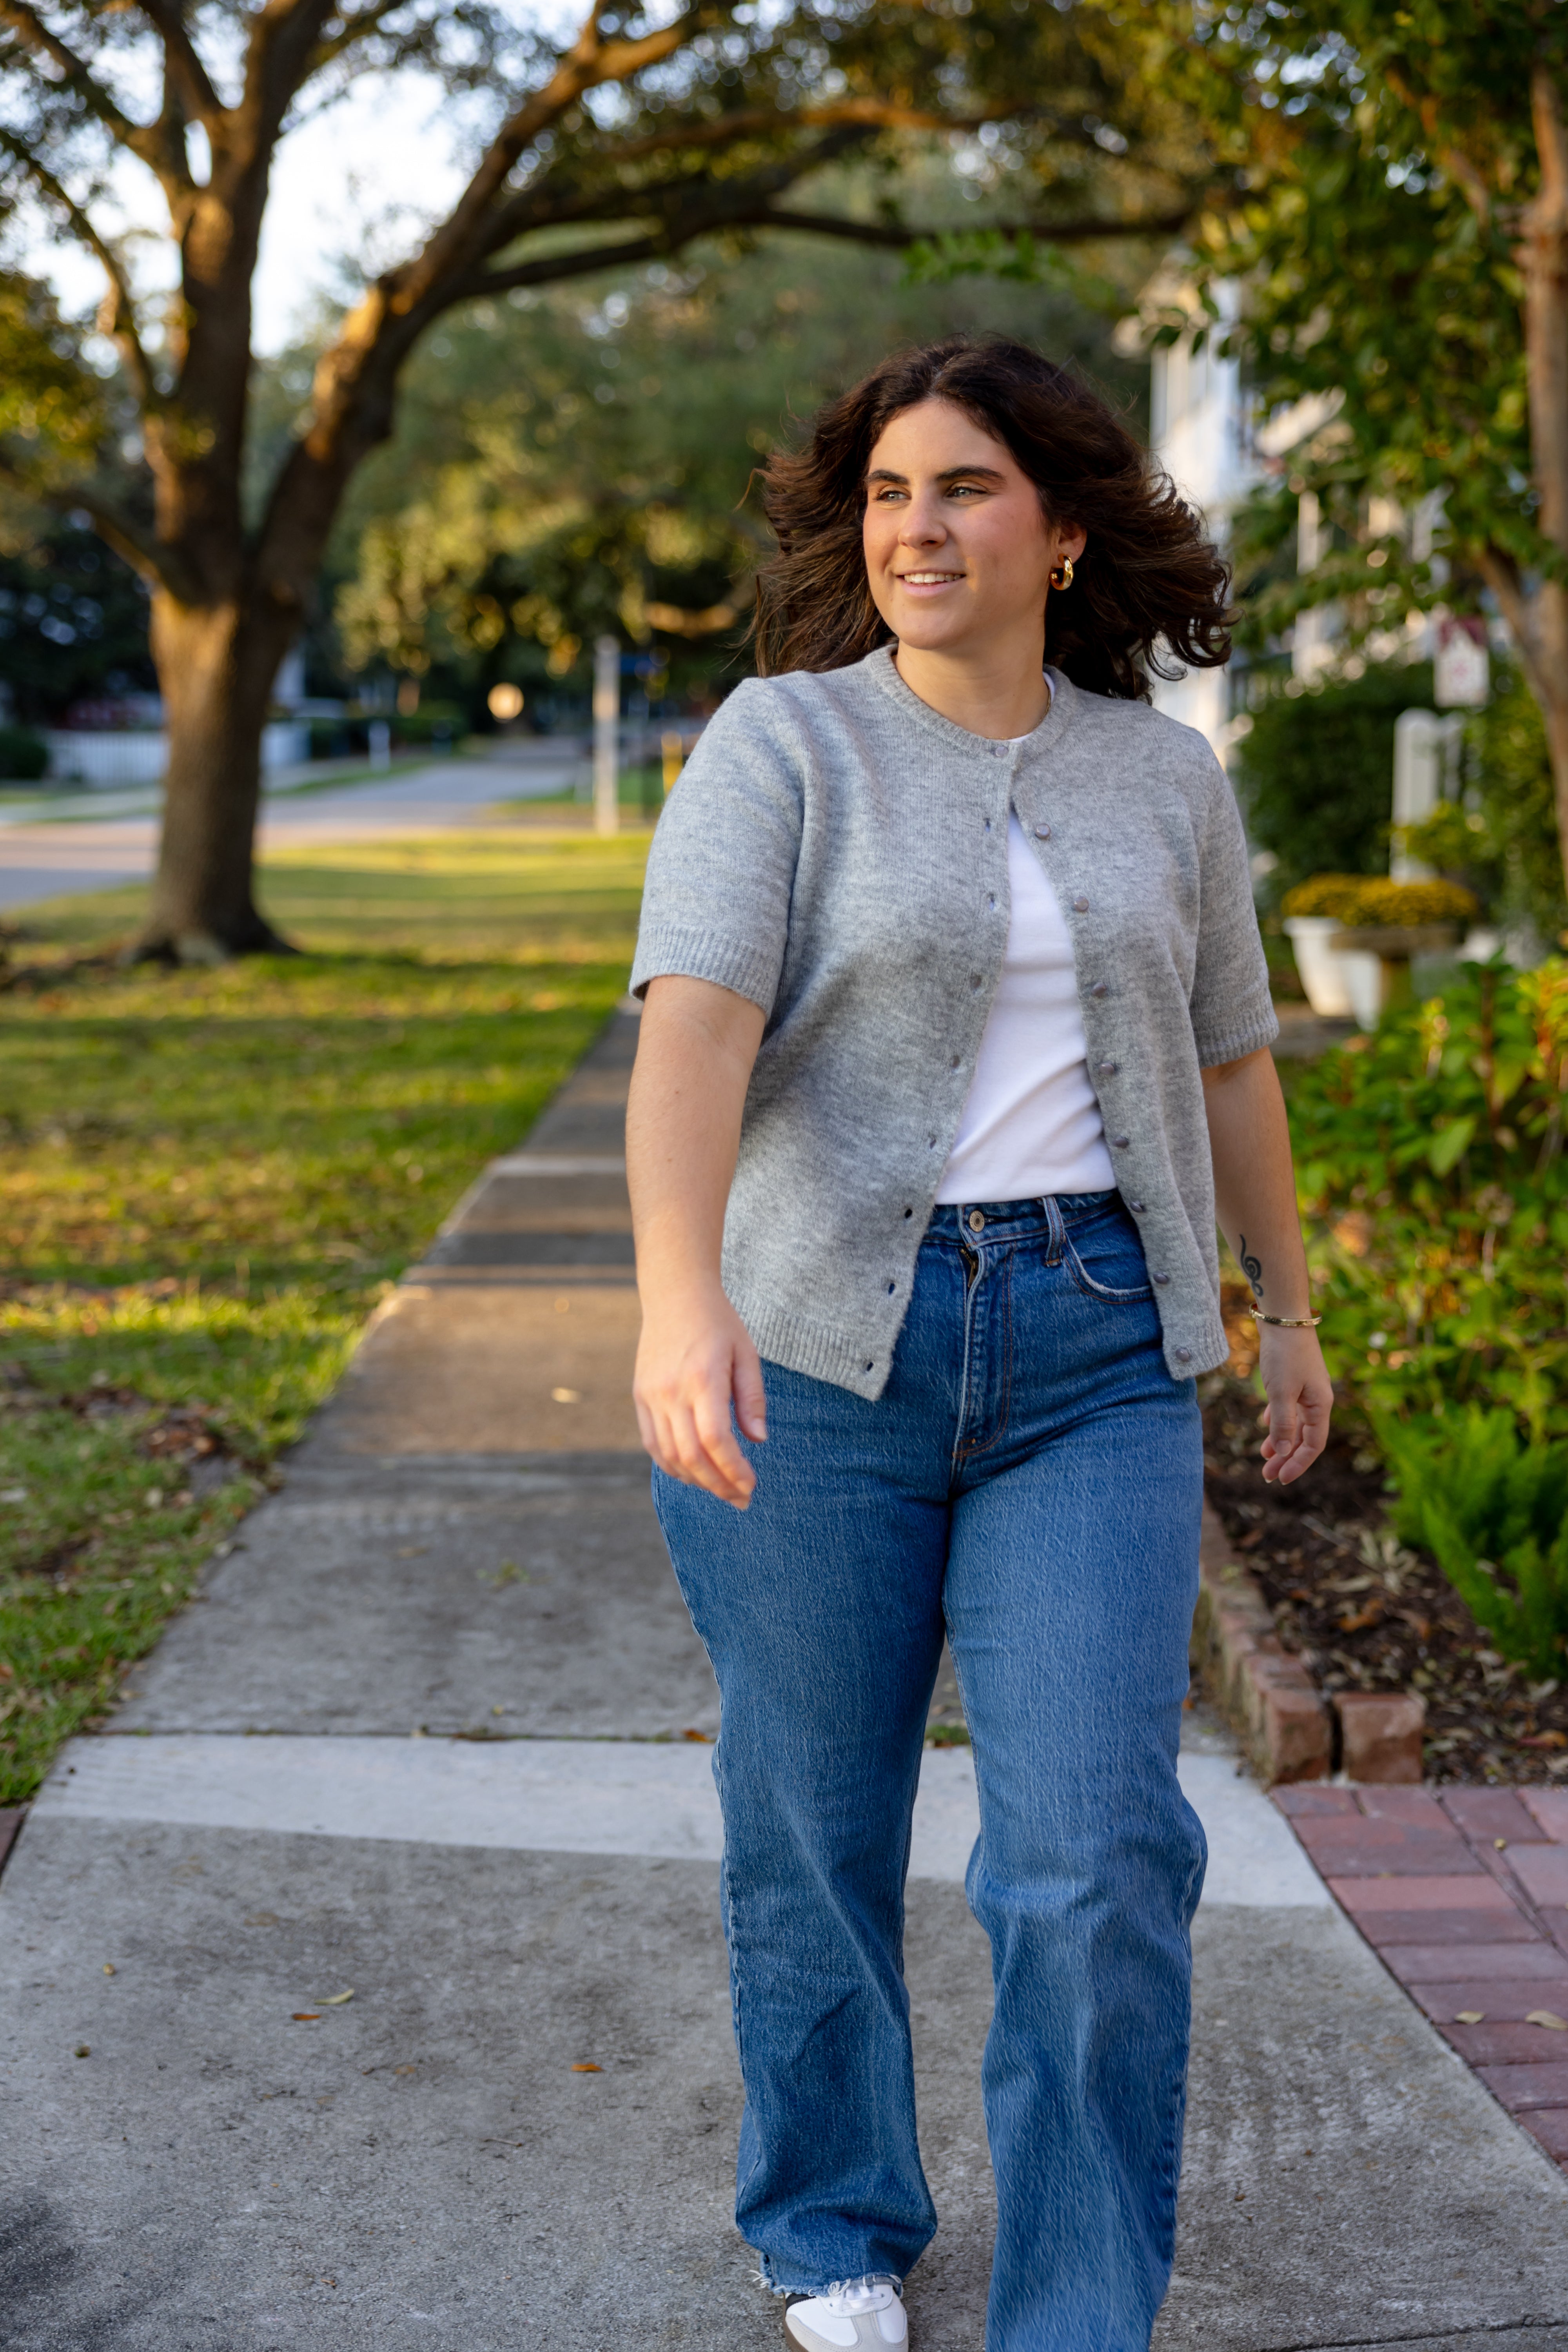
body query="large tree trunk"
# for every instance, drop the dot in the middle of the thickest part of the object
(216, 664)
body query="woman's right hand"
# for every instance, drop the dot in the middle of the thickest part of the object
(694, 1359)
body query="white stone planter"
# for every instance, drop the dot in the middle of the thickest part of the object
(1341, 986)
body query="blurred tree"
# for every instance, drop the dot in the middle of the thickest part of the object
(621, 145)
(583, 463)
(73, 618)
(1402, 237)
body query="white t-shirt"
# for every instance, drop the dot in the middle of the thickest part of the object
(1031, 1123)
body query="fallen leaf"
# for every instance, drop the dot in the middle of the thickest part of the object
(1501, 1845)
(1470, 2017)
(1545, 1739)
(336, 1999)
(1362, 1620)
(1552, 2023)
(83, 2050)
(567, 1396)
(585, 2066)
(306, 2016)
(702, 1736)
(108, 1967)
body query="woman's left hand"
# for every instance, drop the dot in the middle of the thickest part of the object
(1301, 1399)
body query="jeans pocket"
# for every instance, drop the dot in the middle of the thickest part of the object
(1107, 1263)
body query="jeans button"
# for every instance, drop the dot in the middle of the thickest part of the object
(976, 1222)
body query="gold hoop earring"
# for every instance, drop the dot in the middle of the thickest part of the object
(1062, 576)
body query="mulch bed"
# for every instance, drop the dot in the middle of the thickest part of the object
(1364, 1612)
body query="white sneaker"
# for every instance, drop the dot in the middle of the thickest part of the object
(853, 2313)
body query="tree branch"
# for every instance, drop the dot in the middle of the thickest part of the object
(29, 26)
(124, 326)
(544, 272)
(190, 75)
(892, 233)
(874, 113)
(587, 64)
(127, 538)
(354, 28)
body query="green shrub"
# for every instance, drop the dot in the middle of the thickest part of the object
(443, 722)
(1493, 1510)
(1315, 772)
(24, 756)
(1501, 839)
(1374, 899)
(1434, 1191)
(1513, 783)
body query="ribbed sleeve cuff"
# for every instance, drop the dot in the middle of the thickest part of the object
(1247, 1037)
(668, 950)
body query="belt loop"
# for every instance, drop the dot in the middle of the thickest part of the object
(1056, 1231)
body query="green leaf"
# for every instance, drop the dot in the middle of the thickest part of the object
(1449, 1144)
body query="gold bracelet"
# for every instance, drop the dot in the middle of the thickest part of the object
(1286, 1322)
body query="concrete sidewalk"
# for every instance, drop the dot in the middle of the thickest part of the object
(425, 1742)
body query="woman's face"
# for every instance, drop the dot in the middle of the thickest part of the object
(958, 551)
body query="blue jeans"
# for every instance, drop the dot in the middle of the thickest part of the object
(1030, 1481)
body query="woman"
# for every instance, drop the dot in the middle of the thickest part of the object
(956, 1034)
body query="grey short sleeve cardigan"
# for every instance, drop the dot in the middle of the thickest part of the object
(837, 851)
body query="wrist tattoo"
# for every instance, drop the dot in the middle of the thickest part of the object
(1251, 1267)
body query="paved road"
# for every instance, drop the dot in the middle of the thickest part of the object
(46, 858)
(519, 2132)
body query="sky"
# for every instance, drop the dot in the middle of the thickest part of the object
(382, 156)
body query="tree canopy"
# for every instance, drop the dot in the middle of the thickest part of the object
(1400, 241)
(584, 462)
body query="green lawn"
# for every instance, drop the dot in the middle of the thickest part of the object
(207, 1180)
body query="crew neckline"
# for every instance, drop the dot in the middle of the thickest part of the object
(884, 670)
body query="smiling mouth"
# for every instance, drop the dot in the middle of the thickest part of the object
(928, 579)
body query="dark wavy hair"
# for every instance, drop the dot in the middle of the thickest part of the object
(1148, 576)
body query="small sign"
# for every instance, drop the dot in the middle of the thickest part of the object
(1463, 669)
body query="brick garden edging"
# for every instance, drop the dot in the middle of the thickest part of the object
(1463, 1894)
(1291, 1732)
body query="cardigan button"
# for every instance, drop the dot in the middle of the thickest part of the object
(1105, 1069)
(1098, 989)
(975, 981)
(1080, 906)
(1162, 1277)
(1136, 1207)
(1183, 1356)
(1120, 1142)
(1042, 833)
